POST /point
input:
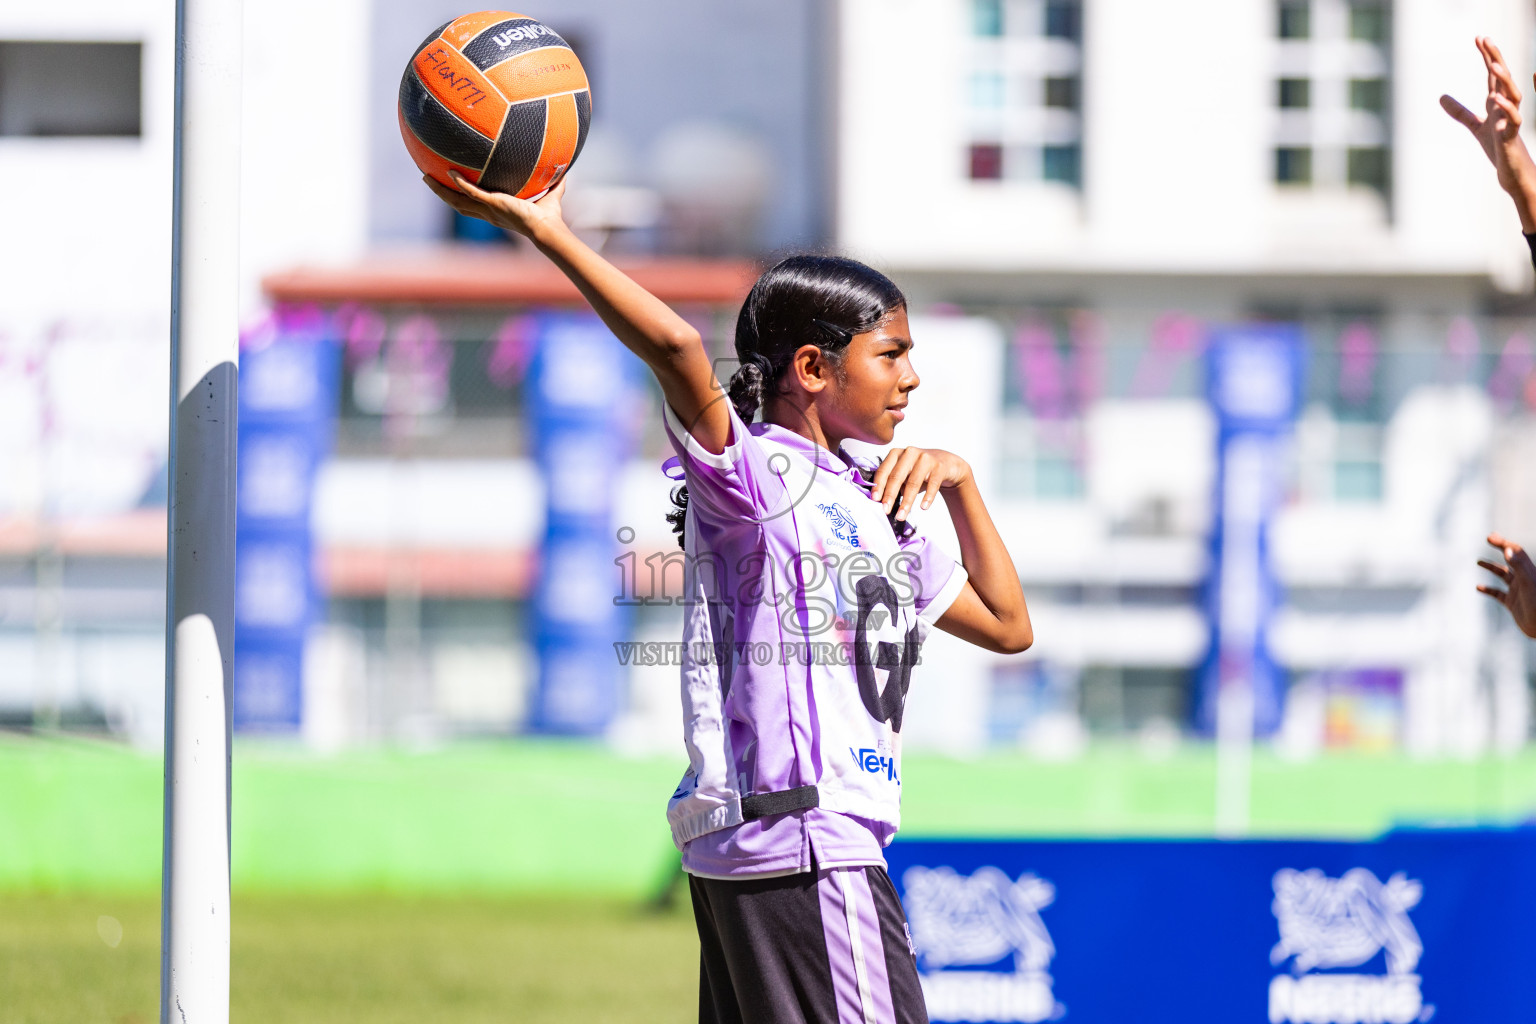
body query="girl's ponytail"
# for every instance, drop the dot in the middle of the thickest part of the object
(748, 385)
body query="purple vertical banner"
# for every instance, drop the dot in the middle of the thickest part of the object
(1253, 382)
(580, 383)
(288, 388)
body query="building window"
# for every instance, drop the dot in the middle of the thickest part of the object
(1063, 164)
(70, 89)
(986, 162)
(1368, 94)
(1351, 376)
(1293, 165)
(1368, 22)
(1367, 166)
(1024, 93)
(1295, 93)
(1064, 20)
(1295, 19)
(987, 17)
(1332, 122)
(1062, 93)
(987, 89)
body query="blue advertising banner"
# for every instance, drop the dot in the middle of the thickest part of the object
(288, 387)
(580, 379)
(1253, 382)
(1416, 926)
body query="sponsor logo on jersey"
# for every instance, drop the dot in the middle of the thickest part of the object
(984, 953)
(875, 763)
(1328, 923)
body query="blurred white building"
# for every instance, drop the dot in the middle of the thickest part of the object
(86, 134)
(1071, 191)
(1105, 179)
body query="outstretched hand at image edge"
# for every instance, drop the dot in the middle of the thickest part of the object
(1498, 132)
(1518, 574)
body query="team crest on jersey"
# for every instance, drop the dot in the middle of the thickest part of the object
(843, 526)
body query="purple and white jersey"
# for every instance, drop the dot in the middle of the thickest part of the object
(804, 616)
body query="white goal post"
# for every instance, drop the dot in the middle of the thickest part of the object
(194, 951)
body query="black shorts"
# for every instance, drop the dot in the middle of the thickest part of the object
(822, 947)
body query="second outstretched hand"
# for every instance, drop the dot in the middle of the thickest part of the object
(669, 345)
(1498, 132)
(1518, 574)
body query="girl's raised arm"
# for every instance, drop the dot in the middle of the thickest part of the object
(666, 342)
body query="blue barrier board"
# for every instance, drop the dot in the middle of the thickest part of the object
(1416, 926)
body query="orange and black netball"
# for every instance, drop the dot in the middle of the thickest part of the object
(498, 97)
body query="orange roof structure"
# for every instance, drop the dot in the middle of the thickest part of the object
(463, 275)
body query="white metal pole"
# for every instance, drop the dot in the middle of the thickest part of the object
(1247, 480)
(194, 945)
(1234, 757)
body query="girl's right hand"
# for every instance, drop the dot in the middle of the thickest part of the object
(533, 219)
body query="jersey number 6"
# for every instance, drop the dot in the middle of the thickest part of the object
(886, 705)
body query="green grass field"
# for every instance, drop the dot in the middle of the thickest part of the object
(510, 881)
(551, 818)
(361, 960)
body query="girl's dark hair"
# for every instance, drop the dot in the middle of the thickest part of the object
(803, 300)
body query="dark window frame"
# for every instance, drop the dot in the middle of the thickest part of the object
(97, 90)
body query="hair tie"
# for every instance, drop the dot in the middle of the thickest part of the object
(672, 469)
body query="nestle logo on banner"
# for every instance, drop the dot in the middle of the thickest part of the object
(1327, 923)
(989, 925)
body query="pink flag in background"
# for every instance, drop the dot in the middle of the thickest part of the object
(362, 332)
(418, 362)
(511, 351)
(1461, 348)
(1358, 353)
(419, 350)
(1087, 332)
(1041, 371)
(1176, 337)
(1508, 382)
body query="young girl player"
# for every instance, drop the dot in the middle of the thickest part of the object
(810, 596)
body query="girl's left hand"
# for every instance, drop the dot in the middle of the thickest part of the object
(905, 473)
